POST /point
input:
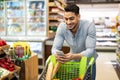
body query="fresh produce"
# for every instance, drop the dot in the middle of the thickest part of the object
(2, 42)
(7, 64)
(76, 79)
(5, 61)
(2, 46)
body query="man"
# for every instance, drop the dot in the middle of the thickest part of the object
(79, 34)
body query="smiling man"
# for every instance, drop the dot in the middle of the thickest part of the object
(79, 34)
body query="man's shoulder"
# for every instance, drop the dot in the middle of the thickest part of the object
(86, 23)
(62, 25)
(83, 21)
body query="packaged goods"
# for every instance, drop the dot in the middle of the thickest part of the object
(21, 50)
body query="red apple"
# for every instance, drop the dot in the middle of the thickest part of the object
(76, 79)
(11, 69)
(4, 42)
(1, 44)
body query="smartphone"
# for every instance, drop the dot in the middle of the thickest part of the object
(61, 53)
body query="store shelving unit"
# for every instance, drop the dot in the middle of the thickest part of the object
(118, 45)
(106, 33)
(36, 46)
(55, 14)
(2, 18)
(92, 1)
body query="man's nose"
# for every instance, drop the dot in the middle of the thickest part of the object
(68, 21)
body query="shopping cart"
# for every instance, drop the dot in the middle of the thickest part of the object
(71, 70)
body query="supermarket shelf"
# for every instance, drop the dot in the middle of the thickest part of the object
(61, 1)
(106, 48)
(50, 42)
(51, 4)
(118, 62)
(53, 12)
(55, 19)
(24, 38)
(106, 39)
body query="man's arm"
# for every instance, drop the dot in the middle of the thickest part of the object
(59, 40)
(90, 46)
(90, 41)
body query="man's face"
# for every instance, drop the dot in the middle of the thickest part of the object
(71, 19)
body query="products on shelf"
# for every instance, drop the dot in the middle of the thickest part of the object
(5, 61)
(118, 29)
(105, 31)
(19, 17)
(15, 13)
(3, 48)
(2, 18)
(118, 37)
(3, 72)
(1, 9)
(36, 18)
(55, 15)
(14, 28)
(21, 50)
(7, 64)
(2, 42)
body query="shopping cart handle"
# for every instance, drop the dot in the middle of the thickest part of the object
(91, 61)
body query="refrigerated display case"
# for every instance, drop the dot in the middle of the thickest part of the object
(23, 18)
(36, 17)
(2, 18)
(15, 16)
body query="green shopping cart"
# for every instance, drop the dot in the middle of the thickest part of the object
(71, 70)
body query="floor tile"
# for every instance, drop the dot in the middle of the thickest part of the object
(105, 69)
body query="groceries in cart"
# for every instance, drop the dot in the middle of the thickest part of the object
(81, 70)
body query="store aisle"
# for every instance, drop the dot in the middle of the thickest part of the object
(105, 70)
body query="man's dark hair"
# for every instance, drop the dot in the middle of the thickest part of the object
(72, 8)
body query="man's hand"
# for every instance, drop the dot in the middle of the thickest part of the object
(64, 58)
(68, 57)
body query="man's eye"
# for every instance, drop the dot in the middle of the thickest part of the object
(66, 18)
(71, 18)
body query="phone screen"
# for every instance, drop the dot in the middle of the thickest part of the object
(61, 53)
